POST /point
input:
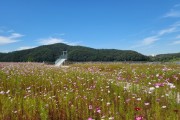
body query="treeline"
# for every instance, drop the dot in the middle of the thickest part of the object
(105, 55)
(49, 53)
(166, 57)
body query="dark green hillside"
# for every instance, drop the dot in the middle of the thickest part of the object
(166, 57)
(49, 53)
(105, 55)
(43, 53)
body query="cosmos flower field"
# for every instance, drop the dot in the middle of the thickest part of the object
(89, 91)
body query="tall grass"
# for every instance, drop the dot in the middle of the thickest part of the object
(32, 91)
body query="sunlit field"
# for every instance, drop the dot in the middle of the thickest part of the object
(90, 91)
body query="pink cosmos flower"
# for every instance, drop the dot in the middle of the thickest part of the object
(165, 69)
(138, 118)
(159, 84)
(90, 118)
(127, 100)
(98, 110)
(90, 107)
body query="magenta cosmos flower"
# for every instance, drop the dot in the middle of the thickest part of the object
(138, 118)
(90, 118)
(159, 84)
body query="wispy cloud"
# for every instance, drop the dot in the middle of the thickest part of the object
(177, 5)
(50, 40)
(25, 47)
(149, 40)
(152, 39)
(15, 35)
(173, 13)
(12, 38)
(176, 24)
(167, 31)
(177, 42)
(53, 40)
(178, 37)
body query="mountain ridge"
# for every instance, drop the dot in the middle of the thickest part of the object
(49, 53)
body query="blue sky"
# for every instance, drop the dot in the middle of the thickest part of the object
(147, 26)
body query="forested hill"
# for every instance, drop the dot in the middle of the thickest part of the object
(49, 53)
(167, 57)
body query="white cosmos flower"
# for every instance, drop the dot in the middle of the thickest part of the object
(7, 91)
(111, 118)
(146, 103)
(108, 103)
(151, 88)
(2, 92)
(138, 99)
(157, 86)
(163, 106)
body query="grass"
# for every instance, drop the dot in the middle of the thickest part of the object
(99, 91)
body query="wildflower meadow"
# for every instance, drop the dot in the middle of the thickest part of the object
(89, 91)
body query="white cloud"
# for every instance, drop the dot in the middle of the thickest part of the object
(149, 40)
(177, 5)
(10, 39)
(53, 40)
(157, 36)
(173, 28)
(25, 47)
(178, 37)
(6, 40)
(177, 42)
(176, 24)
(167, 31)
(152, 39)
(15, 35)
(173, 13)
